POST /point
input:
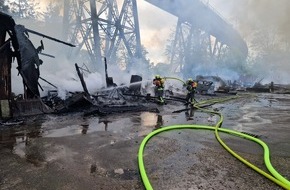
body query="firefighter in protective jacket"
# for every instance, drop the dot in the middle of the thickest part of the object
(159, 88)
(191, 89)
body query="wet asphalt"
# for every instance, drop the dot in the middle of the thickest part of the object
(70, 151)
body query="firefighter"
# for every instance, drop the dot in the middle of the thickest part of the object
(191, 89)
(159, 88)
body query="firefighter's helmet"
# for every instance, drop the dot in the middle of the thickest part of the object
(157, 77)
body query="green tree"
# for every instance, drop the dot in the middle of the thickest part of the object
(24, 9)
(52, 13)
(3, 6)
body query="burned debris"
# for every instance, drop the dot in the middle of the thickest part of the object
(15, 44)
(210, 85)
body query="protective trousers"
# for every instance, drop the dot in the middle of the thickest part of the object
(159, 93)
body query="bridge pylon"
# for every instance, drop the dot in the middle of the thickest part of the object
(202, 36)
(104, 28)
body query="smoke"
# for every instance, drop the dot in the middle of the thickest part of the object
(214, 70)
(271, 21)
(60, 71)
(155, 25)
(266, 13)
(264, 24)
(249, 15)
(44, 3)
(63, 75)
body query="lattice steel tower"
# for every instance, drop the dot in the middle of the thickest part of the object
(203, 37)
(193, 45)
(105, 28)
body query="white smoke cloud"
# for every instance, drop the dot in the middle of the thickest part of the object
(265, 27)
(155, 26)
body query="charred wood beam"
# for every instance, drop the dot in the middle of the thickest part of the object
(82, 79)
(47, 55)
(5, 71)
(47, 82)
(40, 86)
(109, 80)
(48, 37)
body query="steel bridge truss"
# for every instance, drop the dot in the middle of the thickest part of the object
(202, 36)
(192, 45)
(105, 28)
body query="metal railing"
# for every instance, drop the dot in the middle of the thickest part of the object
(206, 3)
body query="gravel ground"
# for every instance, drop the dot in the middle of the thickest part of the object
(75, 152)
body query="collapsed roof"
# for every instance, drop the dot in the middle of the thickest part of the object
(24, 52)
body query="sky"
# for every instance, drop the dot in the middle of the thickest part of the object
(155, 28)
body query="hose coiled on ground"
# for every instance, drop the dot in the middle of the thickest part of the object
(275, 177)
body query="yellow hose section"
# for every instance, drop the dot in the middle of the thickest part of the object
(173, 78)
(279, 180)
(266, 154)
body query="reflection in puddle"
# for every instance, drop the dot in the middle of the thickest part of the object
(25, 142)
(105, 122)
(85, 129)
(259, 113)
(20, 140)
(62, 132)
(159, 123)
(148, 119)
(189, 114)
(148, 122)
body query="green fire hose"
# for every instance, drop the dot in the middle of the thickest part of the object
(275, 177)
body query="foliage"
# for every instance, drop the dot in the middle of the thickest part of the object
(52, 13)
(3, 6)
(26, 9)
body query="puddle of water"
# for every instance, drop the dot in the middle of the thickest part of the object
(252, 116)
(62, 132)
(262, 113)
(148, 119)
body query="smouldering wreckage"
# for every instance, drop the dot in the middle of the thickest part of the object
(111, 99)
(15, 44)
